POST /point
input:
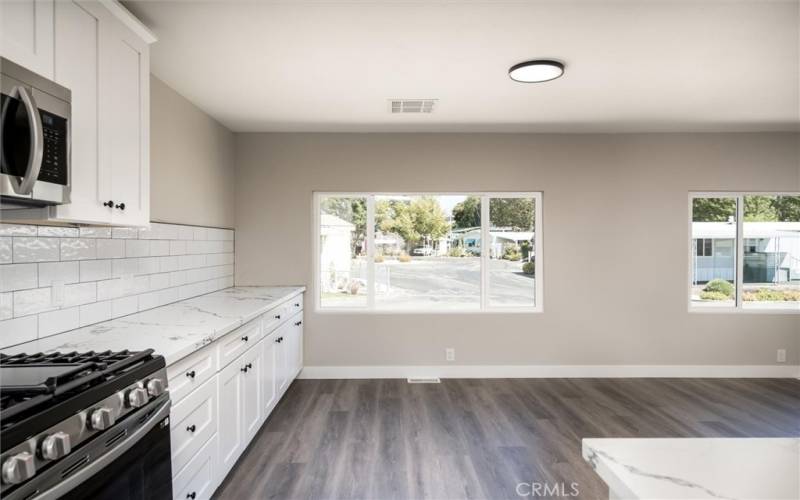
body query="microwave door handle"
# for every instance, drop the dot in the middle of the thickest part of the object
(25, 186)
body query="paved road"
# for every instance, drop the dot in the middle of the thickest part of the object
(448, 282)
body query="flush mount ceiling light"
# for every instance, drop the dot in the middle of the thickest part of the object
(540, 70)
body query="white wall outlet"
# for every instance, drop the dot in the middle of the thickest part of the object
(781, 355)
(57, 292)
(127, 283)
(450, 354)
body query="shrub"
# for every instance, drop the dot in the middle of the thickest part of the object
(456, 252)
(404, 258)
(378, 259)
(512, 253)
(529, 268)
(768, 295)
(719, 286)
(713, 296)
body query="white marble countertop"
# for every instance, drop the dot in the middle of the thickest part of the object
(174, 330)
(694, 468)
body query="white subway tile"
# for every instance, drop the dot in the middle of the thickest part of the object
(17, 230)
(95, 232)
(166, 264)
(17, 277)
(200, 233)
(79, 294)
(177, 247)
(95, 270)
(125, 233)
(6, 252)
(177, 278)
(6, 306)
(18, 330)
(227, 246)
(64, 272)
(95, 312)
(141, 284)
(58, 232)
(35, 249)
(137, 248)
(110, 249)
(124, 267)
(124, 306)
(78, 248)
(185, 233)
(34, 301)
(59, 321)
(159, 281)
(228, 236)
(148, 265)
(109, 289)
(159, 247)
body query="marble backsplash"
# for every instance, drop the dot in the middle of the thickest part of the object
(55, 279)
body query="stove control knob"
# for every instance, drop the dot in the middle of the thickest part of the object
(155, 387)
(137, 397)
(56, 446)
(102, 418)
(19, 468)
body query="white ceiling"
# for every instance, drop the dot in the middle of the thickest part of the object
(703, 65)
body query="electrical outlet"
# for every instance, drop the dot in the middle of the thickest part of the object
(57, 291)
(450, 354)
(781, 355)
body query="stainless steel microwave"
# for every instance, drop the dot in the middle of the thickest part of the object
(34, 139)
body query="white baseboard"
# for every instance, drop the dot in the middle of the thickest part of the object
(551, 371)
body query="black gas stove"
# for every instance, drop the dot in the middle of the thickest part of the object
(68, 419)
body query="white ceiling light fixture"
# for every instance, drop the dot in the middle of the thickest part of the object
(536, 71)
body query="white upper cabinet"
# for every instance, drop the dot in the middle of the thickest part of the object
(26, 36)
(99, 51)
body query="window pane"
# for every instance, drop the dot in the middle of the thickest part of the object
(427, 252)
(511, 252)
(772, 254)
(342, 247)
(714, 272)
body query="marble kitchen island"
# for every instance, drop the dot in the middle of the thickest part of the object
(695, 468)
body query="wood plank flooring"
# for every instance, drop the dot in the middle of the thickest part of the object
(479, 438)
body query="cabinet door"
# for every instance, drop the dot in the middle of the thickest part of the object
(297, 346)
(251, 398)
(269, 353)
(127, 118)
(26, 36)
(230, 425)
(79, 29)
(283, 337)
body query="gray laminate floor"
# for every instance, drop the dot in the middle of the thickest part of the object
(471, 438)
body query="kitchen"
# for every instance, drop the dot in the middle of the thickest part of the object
(240, 250)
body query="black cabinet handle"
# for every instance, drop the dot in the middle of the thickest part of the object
(277, 316)
(297, 304)
(244, 369)
(190, 374)
(121, 206)
(245, 338)
(250, 366)
(298, 323)
(191, 428)
(191, 495)
(109, 204)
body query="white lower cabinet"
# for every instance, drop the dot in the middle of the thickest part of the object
(223, 393)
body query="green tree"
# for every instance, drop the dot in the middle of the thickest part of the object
(760, 209)
(467, 213)
(517, 213)
(416, 220)
(787, 208)
(713, 209)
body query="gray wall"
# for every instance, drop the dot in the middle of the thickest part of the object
(191, 162)
(615, 214)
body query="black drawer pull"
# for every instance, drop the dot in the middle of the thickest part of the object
(191, 495)
(277, 316)
(245, 338)
(250, 366)
(109, 203)
(121, 206)
(191, 374)
(244, 369)
(298, 323)
(297, 304)
(191, 428)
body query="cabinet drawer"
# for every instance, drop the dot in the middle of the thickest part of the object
(295, 304)
(191, 372)
(232, 345)
(198, 479)
(275, 317)
(192, 423)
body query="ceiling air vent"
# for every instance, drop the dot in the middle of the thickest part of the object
(412, 105)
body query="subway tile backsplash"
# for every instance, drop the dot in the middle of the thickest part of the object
(104, 273)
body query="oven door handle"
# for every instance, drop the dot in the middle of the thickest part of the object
(79, 477)
(25, 185)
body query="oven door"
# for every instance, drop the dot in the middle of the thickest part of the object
(138, 468)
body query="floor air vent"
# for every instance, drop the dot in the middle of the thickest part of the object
(423, 380)
(412, 105)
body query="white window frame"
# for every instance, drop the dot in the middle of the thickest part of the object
(484, 307)
(738, 251)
